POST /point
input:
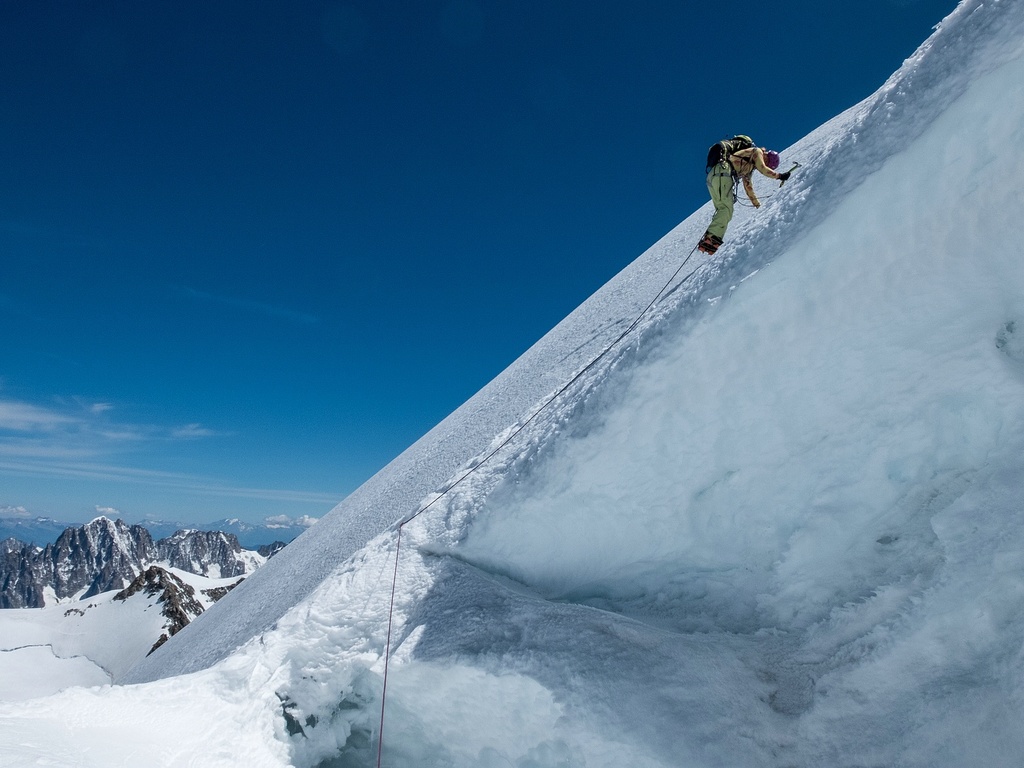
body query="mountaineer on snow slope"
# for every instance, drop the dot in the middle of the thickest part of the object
(729, 162)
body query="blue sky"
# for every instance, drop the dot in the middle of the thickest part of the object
(250, 251)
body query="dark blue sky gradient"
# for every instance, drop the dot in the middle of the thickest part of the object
(252, 250)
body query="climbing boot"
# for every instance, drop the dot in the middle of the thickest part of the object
(709, 243)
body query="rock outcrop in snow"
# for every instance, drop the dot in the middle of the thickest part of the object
(207, 553)
(107, 555)
(179, 601)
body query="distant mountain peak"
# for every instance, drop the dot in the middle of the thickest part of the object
(105, 555)
(43, 530)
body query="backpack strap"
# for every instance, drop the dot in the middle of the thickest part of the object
(725, 149)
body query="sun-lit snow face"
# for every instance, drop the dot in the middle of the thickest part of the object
(789, 453)
(781, 528)
(828, 454)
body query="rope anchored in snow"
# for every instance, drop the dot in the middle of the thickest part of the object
(512, 435)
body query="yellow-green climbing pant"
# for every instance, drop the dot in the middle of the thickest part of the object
(721, 188)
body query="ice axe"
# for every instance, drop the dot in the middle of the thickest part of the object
(795, 166)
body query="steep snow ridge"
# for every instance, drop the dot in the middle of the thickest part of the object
(736, 443)
(842, 153)
(837, 157)
(800, 491)
(783, 530)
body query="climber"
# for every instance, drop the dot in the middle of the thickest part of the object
(729, 162)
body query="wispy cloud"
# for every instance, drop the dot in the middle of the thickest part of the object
(23, 417)
(194, 432)
(283, 521)
(69, 470)
(249, 305)
(80, 440)
(125, 434)
(73, 429)
(45, 450)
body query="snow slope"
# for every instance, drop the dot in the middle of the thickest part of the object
(838, 157)
(780, 526)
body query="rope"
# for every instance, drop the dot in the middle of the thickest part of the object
(387, 649)
(744, 203)
(576, 377)
(748, 204)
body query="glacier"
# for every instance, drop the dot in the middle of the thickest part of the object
(779, 524)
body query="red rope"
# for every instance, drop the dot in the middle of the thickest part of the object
(387, 649)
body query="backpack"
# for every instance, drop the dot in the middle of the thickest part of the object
(726, 148)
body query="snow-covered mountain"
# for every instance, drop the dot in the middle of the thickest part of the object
(104, 596)
(106, 555)
(208, 553)
(11, 544)
(94, 641)
(41, 531)
(777, 524)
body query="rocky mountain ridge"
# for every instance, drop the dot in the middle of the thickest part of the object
(179, 600)
(106, 555)
(41, 531)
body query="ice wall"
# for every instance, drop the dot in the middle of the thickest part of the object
(976, 39)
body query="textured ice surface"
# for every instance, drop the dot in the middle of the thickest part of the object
(781, 526)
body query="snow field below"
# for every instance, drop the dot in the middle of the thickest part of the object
(33, 671)
(83, 642)
(215, 720)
